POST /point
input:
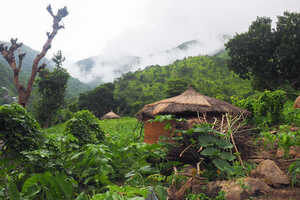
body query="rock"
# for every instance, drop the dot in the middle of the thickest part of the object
(271, 173)
(239, 189)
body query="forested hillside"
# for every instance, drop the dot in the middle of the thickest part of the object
(6, 78)
(207, 74)
(74, 86)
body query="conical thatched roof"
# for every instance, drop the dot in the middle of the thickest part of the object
(297, 103)
(188, 101)
(110, 115)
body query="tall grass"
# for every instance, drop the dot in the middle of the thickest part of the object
(126, 129)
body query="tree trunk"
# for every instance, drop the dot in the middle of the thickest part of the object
(9, 54)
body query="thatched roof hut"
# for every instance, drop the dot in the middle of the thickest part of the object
(297, 102)
(188, 105)
(188, 102)
(110, 115)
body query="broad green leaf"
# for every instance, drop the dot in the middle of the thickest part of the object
(30, 182)
(227, 156)
(206, 140)
(65, 186)
(222, 165)
(210, 151)
(224, 144)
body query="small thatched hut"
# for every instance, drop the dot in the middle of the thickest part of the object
(110, 115)
(297, 102)
(189, 105)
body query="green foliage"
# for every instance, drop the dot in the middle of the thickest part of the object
(4, 96)
(18, 129)
(91, 166)
(48, 186)
(75, 87)
(122, 193)
(6, 79)
(290, 114)
(284, 138)
(52, 154)
(99, 101)
(215, 147)
(44, 186)
(202, 196)
(208, 74)
(62, 116)
(58, 59)
(294, 171)
(287, 139)
(268, 55)
(85, 127)
(266, 107)
(51, 87)
(176, 87)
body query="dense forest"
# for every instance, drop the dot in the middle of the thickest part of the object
(129, 93)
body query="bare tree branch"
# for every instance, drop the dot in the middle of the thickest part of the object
(9, 55)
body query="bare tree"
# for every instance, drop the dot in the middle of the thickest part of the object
(9, 53)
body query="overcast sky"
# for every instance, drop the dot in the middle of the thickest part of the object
(134, 27)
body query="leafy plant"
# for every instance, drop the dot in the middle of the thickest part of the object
(266, 107)
(290, 114)
(18, 129)
(202, 196)
(49, 186)
(284, 138)
(91, 167)
(122, 193)
(42, 186)
(269, 139)
(214, 146)
(52, 154)
(85, 127)
(287, 138)
(294, 171)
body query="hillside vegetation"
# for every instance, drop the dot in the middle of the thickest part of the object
(74, 86)
(209, 75)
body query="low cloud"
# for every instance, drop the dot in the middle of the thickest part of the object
(162, 25)
(107, 67)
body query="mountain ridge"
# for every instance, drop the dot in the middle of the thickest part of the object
(99, 69)
(74, 86)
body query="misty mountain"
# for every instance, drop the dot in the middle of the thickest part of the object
(110, 67)
(28, 59)
(105, 68)
(74, 86)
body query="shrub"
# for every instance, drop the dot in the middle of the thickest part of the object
(291, 115)
(266, 107)
(85, 127)
(294, 171)
(18, 129)
(62, 116)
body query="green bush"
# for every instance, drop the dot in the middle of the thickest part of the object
(62, 116)
(18, 129)
(294, 171)
(85, 127)
(266, 107)
(290, 114)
